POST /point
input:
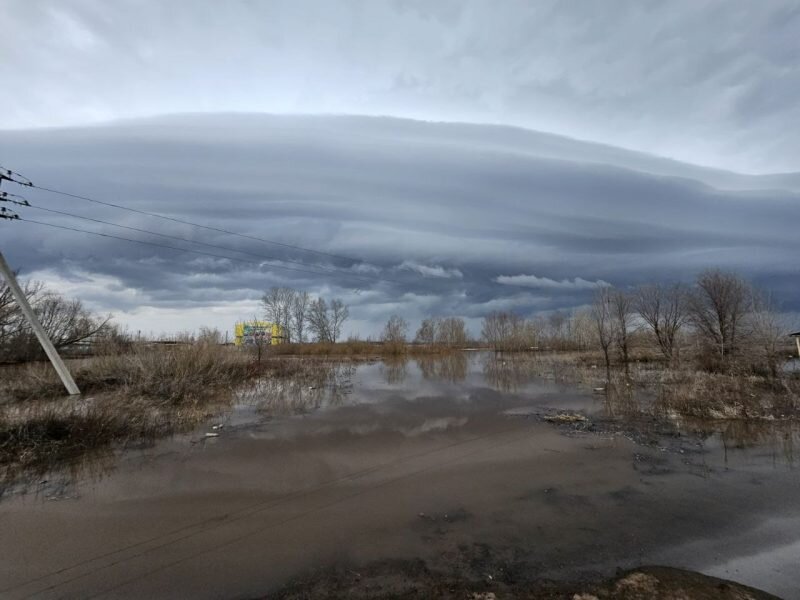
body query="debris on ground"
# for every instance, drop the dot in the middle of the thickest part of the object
(565, 418)
(414, 579)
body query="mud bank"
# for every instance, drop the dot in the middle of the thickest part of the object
(412, 579)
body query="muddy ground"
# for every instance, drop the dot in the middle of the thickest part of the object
(413, 579)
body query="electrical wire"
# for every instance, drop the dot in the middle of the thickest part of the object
(193, 224)
(179, 249)
(325, 268)
(22, 180)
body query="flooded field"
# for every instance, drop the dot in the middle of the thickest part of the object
(449, 460)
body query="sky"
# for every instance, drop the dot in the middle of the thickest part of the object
(480, 155)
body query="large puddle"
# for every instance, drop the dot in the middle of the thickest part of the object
(445, 459)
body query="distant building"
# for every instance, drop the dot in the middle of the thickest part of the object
(796, 336)
(253, 333)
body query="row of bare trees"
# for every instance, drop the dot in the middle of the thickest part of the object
(67, 322)
(726, 321)
(721, 320)
(447, 331)
(560, 330)
(302, 317)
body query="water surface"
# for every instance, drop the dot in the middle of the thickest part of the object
(447, 460)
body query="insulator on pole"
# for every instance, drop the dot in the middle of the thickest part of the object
(13, 199)
(7, 214)
(10, 175)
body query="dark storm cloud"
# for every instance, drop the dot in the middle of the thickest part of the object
(462, 219)
(713, 82)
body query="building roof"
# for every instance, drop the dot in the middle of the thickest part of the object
(795, 334)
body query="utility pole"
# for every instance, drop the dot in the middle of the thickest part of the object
(25, 306)
(41, 334)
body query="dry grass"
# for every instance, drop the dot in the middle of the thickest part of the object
(358, 349)
(36, 436)
(682, 390)
(177, 374)
(719, 396)
(350, 348)
(137, 396)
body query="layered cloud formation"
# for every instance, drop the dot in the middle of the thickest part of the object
(452, 219)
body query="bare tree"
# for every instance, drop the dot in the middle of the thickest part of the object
(717, 309)
(664, 310)
(451, 331)
(603, 317)
(767, 330)
(13, 324)
(426, 334)
(506, 331)
(581, 329)
(395, 330)
(66, 322)
(558, 325)
(622, 315)
(299, 310)
(339, 314)
(277, 304)
(210, 335)
(319, 320)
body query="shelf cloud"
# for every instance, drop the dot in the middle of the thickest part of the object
(411, 217)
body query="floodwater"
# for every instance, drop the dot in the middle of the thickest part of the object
(445, 460)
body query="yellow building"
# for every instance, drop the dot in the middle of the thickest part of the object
(251, 333)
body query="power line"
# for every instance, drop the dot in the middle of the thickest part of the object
(192, 224)
(9, 175)
(179, 249)
(326, 268)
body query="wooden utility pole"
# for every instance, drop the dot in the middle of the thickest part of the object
(41, 334)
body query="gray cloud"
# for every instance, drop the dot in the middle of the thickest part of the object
(431, 270)
(715, 83)
(532, 281)
(490, 204)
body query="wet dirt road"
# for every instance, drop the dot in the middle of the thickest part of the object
(440, 462)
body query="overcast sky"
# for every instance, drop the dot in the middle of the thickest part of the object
(710, 82)
(463, 218)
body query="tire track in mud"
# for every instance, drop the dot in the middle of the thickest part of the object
(216, 523)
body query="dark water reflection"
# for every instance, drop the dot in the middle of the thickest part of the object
(518, 376)
(453, 387)
(449, 367)
(325, 384)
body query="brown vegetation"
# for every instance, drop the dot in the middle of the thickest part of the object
(137, 395)
(654, 387)
(67, 322)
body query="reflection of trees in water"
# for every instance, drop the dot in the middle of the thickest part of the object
(509, 372)
(394, 370)
(450, 367)
(54, 480)
(323, 384)
(780, 437)
(621, 400)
